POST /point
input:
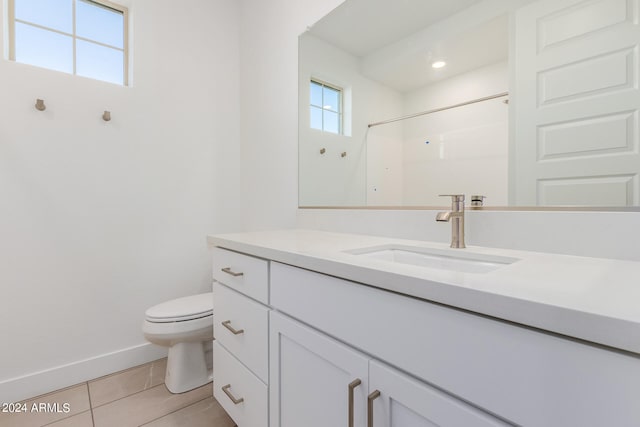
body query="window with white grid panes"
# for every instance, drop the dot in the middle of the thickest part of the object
(82, 37)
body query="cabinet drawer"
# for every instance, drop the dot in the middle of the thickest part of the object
(236, 312)
(250, 394)
(248, 275)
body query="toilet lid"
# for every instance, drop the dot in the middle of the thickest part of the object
(181, 309)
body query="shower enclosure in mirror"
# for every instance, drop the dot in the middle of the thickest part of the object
(532, 103)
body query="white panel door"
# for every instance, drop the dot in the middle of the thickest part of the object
(310, 375)
(405, 402)
(576, 101)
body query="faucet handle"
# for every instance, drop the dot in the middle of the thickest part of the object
(477, 200)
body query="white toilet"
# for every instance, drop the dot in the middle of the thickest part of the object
(185, 325)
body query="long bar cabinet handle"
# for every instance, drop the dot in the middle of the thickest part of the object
(227, 324)
(231, 396)
(373, 396)
(231, 272)
(352, 385)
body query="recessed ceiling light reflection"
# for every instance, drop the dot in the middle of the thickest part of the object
(438, 64)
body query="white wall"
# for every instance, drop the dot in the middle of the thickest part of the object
(385, 170)
(613, 235)
(371, 172)
(101, 220)
(329, 178)
(269, 73)
(467, 146)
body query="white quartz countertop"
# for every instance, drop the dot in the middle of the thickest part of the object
(593, 299)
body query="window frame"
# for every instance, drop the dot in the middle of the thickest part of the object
(340, 105)
(101, 3)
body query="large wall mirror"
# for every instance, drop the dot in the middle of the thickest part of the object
(531, 103)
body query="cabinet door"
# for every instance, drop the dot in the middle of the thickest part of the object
(406, 402)
(310, 378)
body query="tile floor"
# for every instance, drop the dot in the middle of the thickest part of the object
(132, 398)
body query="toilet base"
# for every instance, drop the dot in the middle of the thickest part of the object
(186, 367)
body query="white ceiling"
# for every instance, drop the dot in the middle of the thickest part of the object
(397, 40)
(362, 26)
(485, 44)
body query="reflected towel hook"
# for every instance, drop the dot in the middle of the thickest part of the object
(106, 116)
(343, 154)
(40, 105)
(323, 150)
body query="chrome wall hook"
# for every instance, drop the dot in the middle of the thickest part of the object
(343, 154)
(40, 105)
(106, 116)
(323, 150)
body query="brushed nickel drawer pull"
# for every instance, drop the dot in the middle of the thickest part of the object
(231, 396)
(233, 273)
(227, 324)
(355, 383)
(373, 396)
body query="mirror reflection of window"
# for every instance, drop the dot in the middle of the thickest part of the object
(326, 107)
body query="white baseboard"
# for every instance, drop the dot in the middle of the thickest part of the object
(48, 380)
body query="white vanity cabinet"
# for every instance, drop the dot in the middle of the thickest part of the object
(317, 350)
(317, 381)
(240, 352)
(522, 376)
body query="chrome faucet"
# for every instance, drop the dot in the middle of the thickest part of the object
(456, 216)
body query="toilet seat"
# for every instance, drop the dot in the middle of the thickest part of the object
(181, 309)
(185, 326)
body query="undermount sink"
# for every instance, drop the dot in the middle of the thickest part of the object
(455, 259)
